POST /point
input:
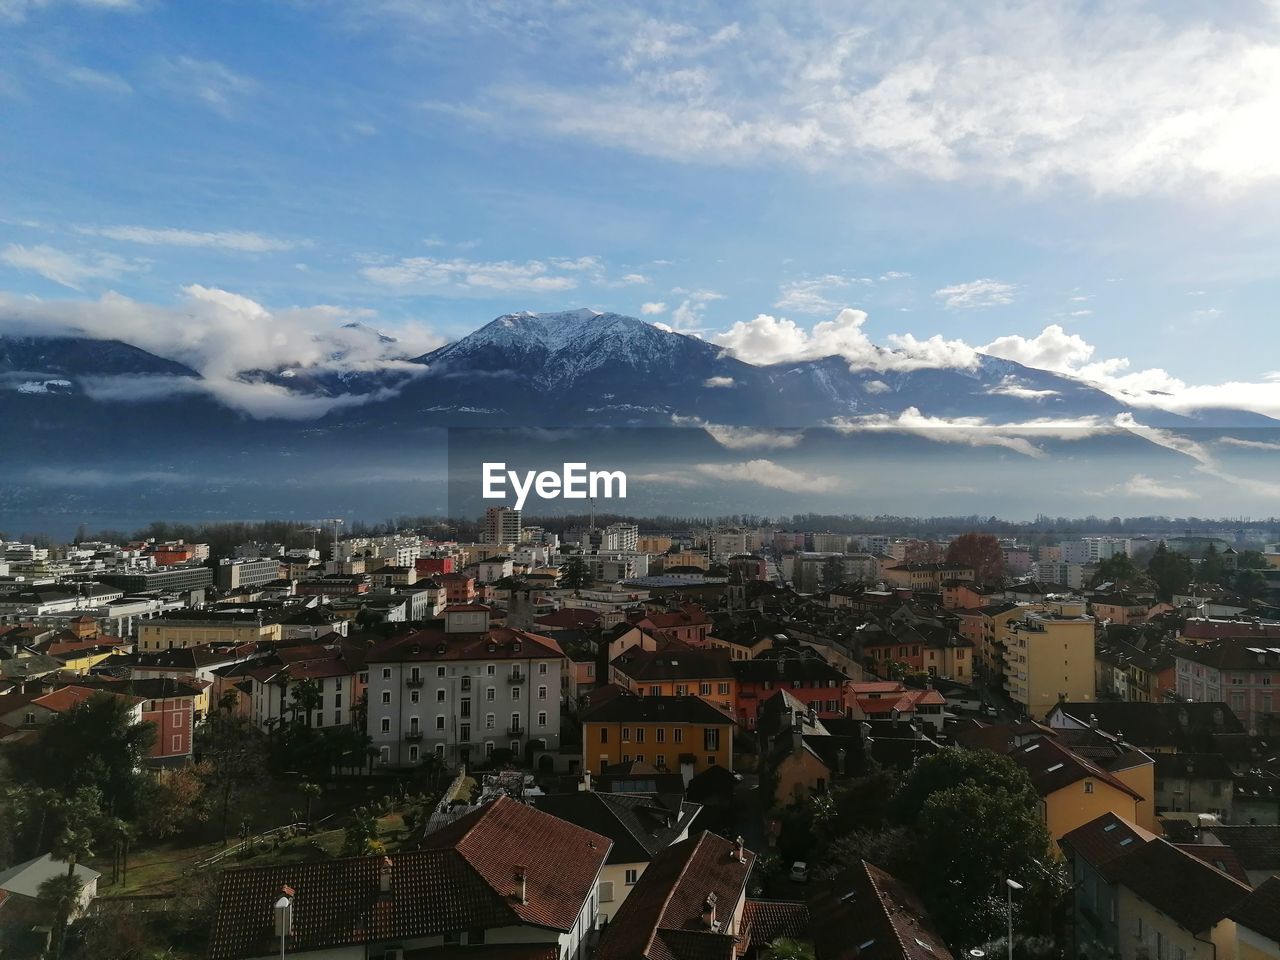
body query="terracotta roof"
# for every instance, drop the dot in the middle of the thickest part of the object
(873, 916)
(1104, 839)
(464, 878)
(632, 709)
(1260, 911)
(1219, 856)
(764, 921)
(1052, 767)
(1186, 890)
(661, 919)
(675, 661)
(1257, 846)
(640, 827)
(568, 617)
(434, 644)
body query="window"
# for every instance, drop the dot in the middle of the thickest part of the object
(386, 696)
(464, 733)
(639, 734)
(490, 694)
(711, 738)
(542, 668)
(626, 734)
(632, 876)
(678, 734)
(604, 734)
(490, 721)
(440, 695)
(384, 755)
(413, 696)
(337, 699)
(386, 673)
(655, 691)
(466, 683)
(515, 693)
(682, 689)
(439, 722)
(439, 671)
(386, 725)
(660, 735)
(490, 670)
(723, 688)
(660, 761)
(542, 718)
(337, 717)
(413, 753)
(177, 743)
(1088, 786)
(542, 693)
(488, 748)
(606, 891)
(704, 689)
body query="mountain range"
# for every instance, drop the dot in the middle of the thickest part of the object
(154, 434)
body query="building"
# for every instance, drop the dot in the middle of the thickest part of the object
(677, 670)
(1074, 790)
(24, 880)
(799, 755)
(1241, 671)
(1094, 549)
(1158, 727)
(1257, 920)
(815, 571)
(1138, 897)
(193, 628)
(464, 691)
(871, 915)
(331, 674)
(506, 881)
(620, 537)
(801, 672)
(1049, 658)
(926, 576)
(501, 525)
(673, 733)
(169, 580)
(689, 905)
(640, 827)
(234, 574)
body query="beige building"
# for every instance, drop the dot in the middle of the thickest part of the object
(1049, 658)
(191, 628)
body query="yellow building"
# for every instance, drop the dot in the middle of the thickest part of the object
(653, 544)
(676, 670)
(1257, 921)
(926, 576)
(685, 734)
(191, 628)
(1074, 791)
(1048, 658)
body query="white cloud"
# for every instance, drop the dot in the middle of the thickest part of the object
(1141, 485)
(688, 315)
(769, 339)
(766, 473)
(1010, 387)
(65, 268)
(1250, 444)
(652, 308)
(718, 382)
(209, 82)
(102, 80)
(498, 276)
(1016, 92)
(876, 386)
(815, 295)
(976, 294)
(976, 431)
(171, 237)
(220, 334)
(632, 279)
(895, 275)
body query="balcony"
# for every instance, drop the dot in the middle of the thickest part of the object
(415, 683)
(515, 730)
(413, 736)
(516, 677)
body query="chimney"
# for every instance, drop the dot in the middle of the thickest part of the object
(1093, 721)
(522, 885)
(840, 761)
(585, 785)
(384, 876)
(709, 912)
(739, 851)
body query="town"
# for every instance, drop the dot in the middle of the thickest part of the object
(546, 739)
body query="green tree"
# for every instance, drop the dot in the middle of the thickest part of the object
(953, 768)
(96, 744)
(832, 572)
(1251, 585)
(232, 758)
(1119, 569)
(62, 893)
(982, 552)
(1211, 568)
(1170, 570)
(311, 791)
(574, 575)
(361, 835)
(785, 948)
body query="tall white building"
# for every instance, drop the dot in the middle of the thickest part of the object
(620, 536)
(1094, 549)
(501, 525)
(462, 692)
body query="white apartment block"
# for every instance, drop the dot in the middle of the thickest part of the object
(502, 525)
(620, 537)
(463, 692)
(1094, 549)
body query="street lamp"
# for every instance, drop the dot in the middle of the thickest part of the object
(284, 916)
(1012, 885)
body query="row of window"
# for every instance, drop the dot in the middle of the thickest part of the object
(490, 723)
(710, 736)
(490, 670)
(490, 695)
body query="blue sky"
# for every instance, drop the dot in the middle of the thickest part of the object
(1068, 184)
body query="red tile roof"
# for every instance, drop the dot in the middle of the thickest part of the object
(463, 879)
(1052, 767)
(433, 645)
(873, 916)
(1260, 911)
(1104, 839)
(661, 918)
(764, 921)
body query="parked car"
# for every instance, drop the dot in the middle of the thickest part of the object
(800, 872)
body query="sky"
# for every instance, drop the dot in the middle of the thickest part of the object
(1088, 188)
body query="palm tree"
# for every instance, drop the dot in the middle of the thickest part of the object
(311, 791)
(73, 845)
(62, 892)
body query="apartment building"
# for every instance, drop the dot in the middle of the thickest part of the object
(501, 525)
(1242, 671)
(193, 628)
(464, 691)
(234, 574)
(685, 734)
(1048, 658)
